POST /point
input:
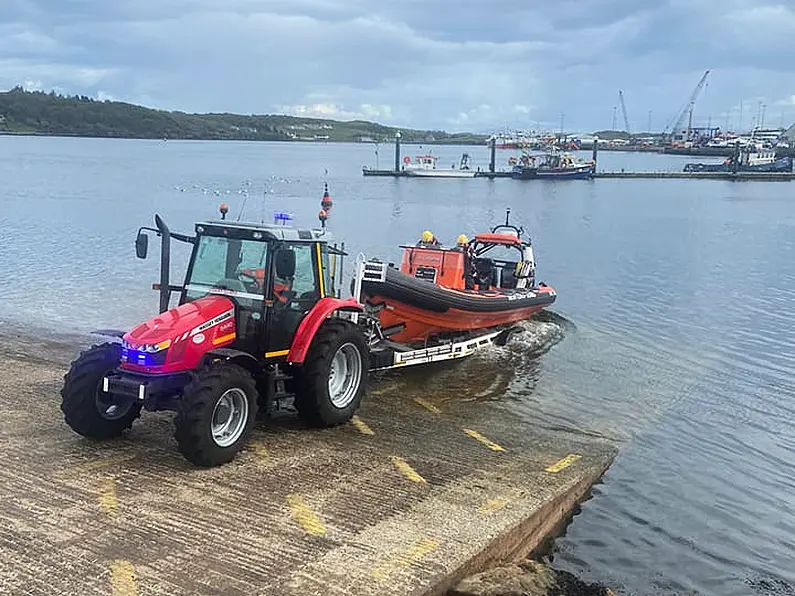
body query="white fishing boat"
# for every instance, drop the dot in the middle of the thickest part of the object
(425, 166)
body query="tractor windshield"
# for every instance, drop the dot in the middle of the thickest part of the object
(229, 264)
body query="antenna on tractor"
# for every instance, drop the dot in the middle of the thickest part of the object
(245, 198)
(507, 216)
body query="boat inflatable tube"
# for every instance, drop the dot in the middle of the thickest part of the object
(434, 298)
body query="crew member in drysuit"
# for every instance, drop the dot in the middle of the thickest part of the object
(428, 239)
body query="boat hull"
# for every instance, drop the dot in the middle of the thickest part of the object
(574, 173)
(415, 309)
(440, 173)
(582, 172)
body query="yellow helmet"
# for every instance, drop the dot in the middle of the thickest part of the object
(462, 239)
(427, 236)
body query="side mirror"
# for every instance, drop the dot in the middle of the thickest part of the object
(141, 245)
(285, 263)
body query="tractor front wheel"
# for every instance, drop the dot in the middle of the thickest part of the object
(333, 378)
(216, 414)
(87, 409)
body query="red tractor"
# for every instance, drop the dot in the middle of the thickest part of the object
(258, 319)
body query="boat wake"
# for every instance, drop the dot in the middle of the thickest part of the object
(532, 338)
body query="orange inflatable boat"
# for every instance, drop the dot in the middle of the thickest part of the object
(488, 282)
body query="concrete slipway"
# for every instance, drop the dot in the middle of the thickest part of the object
(407, 499)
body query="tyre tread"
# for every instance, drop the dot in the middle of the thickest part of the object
(312, 380)
(80, 411)
(201, 395)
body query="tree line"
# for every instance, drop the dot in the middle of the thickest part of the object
(38, 112)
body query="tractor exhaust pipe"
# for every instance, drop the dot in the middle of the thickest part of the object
(165, 262)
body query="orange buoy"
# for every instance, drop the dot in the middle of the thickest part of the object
(407, 160)
(326, 201)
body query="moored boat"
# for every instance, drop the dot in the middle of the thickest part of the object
(746, 160)
(555, 165)
(425, 166)
(440, 290)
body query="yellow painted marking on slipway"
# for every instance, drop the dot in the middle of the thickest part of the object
(493, 505)
(362, 426)
(260, 452)
(405, 558)
(108, 501)
(100, 463)
(427, 405)
(122, 578)
(404, 468)
(563, 463)
(303, 514)
(477, 436)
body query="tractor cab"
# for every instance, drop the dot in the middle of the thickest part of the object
(262, 278)
(274, 275)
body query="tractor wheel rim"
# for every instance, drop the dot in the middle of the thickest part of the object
(107, 408)
(230, 416)
(345, 375)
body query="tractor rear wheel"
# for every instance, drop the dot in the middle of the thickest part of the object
(87, 409)
(215, 415)
(333, 378)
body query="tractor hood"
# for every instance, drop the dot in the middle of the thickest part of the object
(178, 339)
(179, 323)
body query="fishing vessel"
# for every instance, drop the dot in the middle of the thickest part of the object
(746, 160)
(552, 165)
(486, 283)
(425, 166)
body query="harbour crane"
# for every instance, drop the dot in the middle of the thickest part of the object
(687, 110)
(624, 112)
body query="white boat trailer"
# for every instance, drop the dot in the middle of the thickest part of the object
(446, 351)
(387, 354)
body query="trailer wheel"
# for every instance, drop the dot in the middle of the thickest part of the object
(86, 408)
(215, 415)
(333, 378)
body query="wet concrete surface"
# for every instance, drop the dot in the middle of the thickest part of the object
(410, 497)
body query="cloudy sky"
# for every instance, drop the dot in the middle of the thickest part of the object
(451, 64)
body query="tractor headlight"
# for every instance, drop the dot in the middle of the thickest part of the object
(145, 354)
(155, 348)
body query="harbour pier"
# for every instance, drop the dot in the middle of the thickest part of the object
(492, 172)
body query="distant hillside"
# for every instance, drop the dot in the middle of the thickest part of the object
(27, 112)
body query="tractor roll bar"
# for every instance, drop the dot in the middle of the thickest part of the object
(164, 287)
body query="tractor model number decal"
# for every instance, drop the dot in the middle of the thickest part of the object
(213, 322)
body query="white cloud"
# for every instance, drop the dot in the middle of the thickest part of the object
(338, 112)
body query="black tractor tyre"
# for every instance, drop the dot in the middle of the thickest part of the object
(198, 411)
(313, 398)
(82, 391)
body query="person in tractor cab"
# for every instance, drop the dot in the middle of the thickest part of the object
(280, 286)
